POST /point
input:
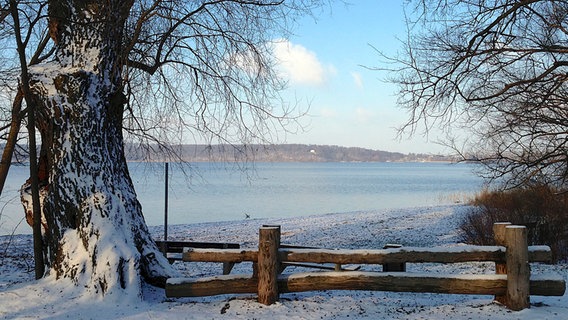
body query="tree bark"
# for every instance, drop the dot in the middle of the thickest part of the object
(10, 146)
(95, 233)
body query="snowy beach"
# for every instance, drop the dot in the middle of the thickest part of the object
(24, 298)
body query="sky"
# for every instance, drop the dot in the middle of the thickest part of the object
(350, 105)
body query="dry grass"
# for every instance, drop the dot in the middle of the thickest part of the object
(543, 209)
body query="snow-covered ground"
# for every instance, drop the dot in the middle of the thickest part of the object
(21, 297)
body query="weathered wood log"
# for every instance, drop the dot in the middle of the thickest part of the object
(210, 286)
(518, 270)
(401, 255)
(394, 281)
(543, 285)
(540, 254)
(268, 264)
(500, 267)
(178, 246)
(220, 255)
(443, 255)
(408, 255)
(536, 254)
(551, 284)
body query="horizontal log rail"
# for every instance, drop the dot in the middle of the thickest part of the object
(491, 284)
(512, 284)
(173, 250)
(380, 256)
(220, 255)
(178, 246)
(410, 255)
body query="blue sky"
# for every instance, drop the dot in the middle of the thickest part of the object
(349, 104)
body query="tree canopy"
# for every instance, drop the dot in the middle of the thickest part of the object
(494, 72)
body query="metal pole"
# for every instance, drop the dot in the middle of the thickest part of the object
(166, 205)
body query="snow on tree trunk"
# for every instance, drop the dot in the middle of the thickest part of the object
(96, 234)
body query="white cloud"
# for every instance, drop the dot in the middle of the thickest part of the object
(300, 65)
(357, 79)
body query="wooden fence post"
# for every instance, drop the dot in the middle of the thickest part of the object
(518, 269)
(393, 267)
(268, 264)
(274, 226)
(500, 268)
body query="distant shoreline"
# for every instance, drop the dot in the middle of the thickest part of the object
(284, 161)
(282, 153)
(271, 153)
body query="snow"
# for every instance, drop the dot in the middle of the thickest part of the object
(24, 298)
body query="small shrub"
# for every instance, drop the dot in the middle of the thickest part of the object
(542, 209)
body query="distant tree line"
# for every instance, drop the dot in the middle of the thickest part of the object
(280, 153)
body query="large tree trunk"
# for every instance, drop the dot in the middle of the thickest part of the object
(95, 234)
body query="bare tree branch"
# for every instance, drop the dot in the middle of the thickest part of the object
(496, 70)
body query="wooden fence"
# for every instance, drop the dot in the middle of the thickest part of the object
(511, 284)
(173, 250)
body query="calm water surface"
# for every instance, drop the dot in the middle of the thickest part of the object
(219, 192)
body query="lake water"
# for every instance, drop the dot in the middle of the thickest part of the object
(218, 192)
